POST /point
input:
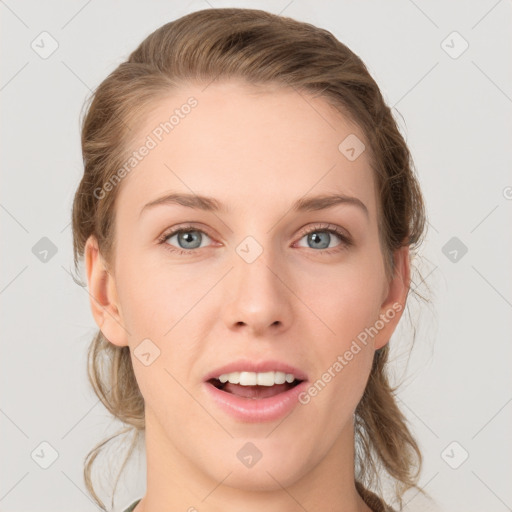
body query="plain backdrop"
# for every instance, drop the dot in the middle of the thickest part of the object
(445, 69)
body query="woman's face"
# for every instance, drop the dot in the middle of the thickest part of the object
(245, 287)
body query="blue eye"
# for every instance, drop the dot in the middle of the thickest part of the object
(190, 238)
(319, 236)
(187, 239)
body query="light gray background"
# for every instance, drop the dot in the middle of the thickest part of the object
(456, 116)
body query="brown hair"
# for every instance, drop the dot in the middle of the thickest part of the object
(261, 48)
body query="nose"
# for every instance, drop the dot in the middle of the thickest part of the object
(259, 297)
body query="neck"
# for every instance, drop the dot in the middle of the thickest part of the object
(174, 482)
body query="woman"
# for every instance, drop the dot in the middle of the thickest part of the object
(247, 216)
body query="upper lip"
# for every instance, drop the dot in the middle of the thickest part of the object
(246, 365)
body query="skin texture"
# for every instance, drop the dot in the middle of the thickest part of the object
(257, 151)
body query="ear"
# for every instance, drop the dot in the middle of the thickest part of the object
(103, 297)
(395, 297)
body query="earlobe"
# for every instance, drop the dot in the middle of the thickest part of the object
(102, 295)
(395, 300)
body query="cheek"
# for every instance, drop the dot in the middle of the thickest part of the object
(345, 300)
(347, 307)
(154, 296)
(344, 351)
(160, 304)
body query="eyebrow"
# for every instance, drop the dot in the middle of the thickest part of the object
(206, 203)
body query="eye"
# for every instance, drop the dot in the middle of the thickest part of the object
(320, 237)
(188, 238)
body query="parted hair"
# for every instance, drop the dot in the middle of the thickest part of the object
(265, 49)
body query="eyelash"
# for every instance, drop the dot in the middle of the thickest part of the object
(329, 228)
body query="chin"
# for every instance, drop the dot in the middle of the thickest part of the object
(258, 466)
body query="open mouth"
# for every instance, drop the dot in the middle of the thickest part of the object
(254, 392)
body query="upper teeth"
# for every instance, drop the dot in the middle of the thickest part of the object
(257, 379)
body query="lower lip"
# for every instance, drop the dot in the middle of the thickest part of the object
(257, 410)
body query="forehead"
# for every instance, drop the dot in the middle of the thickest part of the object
(246, 144)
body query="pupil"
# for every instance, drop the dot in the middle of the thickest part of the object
(315, 238)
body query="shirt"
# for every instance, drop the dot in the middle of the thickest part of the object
(132, 506)
(371, 499)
